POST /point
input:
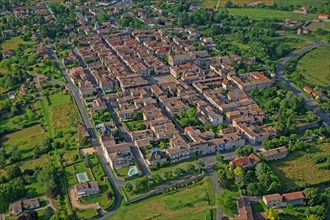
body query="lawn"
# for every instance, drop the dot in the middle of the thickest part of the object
(26, 139)
(227, 201)
(86, 213)
(11, 44)
(298, 169)
(300, 2)
(45, 110)
(172, 167)
(315, 66)
(188, 203)
(260, 13)
(122, 172)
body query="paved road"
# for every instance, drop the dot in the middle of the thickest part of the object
(294, 88)
(83, 113)
(216, 189)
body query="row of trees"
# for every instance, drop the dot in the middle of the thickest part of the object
(143, 184)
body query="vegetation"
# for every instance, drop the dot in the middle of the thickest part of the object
(283, 107)
(192, 202)
(188, 118)
(303, 168)
(311, 69)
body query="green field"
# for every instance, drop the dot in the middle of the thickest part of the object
(315, 66)
(259, 13)
(298, 168)
(300, 2)
(213, 3)
(26, 139)
(189, 203)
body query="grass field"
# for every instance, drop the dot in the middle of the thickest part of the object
(213, 3)
(260, 13)
(86, 213)
(298, 168)
(300, 2)
(12, 43)
(188, 203)
(26, 139)
(315, 66)
(319, 25)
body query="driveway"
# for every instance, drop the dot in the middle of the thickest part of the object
(76, 204)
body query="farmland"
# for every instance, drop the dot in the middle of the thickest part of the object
(298, 169)
(188, 203)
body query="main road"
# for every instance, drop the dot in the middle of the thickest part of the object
(294, 88)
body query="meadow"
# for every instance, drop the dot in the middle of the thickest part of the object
(315, 67)
(299, 169)
(12, 43)
(188, 203)
(261, 13)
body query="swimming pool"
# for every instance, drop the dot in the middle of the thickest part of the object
(132, 171)
(82, 177)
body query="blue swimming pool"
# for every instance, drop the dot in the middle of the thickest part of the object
(132, 171)
(82, 177)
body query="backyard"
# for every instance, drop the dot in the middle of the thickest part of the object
(299, 168)
(188, 203)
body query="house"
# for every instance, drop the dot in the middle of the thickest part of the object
(118, 155)
(11, 95)
(244, 209)
(294, 198)
(246, 162)
(323, 17)
(31, 203)
(87, 189)
(155, 156)
(16, 208)
(273, 200)
(277, 200)
(275, 154)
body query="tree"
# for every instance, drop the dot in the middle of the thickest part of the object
(308, 133)
(200, 164)
(32, 215)
(88, 161)
(271, 214)
(219, 157)
(168, 175)
(142, 184)
(179, 171)
(48, 212)
(222, 178)
(128, 187)
(13, 172)
(244, 151)
(157, 179)
(312, 196)
(191, 168)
